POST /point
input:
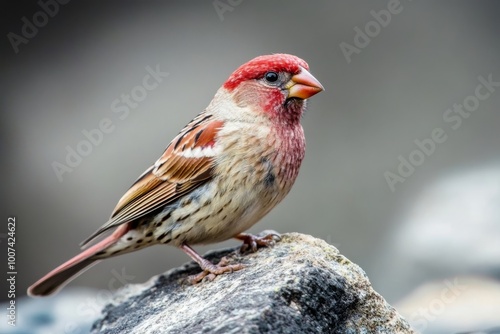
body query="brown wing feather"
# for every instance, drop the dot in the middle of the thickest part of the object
(173, 166)
(173, 175)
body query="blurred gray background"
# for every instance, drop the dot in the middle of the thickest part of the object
(394, 90)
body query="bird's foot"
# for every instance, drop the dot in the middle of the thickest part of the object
(210, 270)
(266, 238)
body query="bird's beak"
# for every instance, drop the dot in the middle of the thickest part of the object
(303, 85)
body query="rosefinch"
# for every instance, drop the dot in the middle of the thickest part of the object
(222, 173)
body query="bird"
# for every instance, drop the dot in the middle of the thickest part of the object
(224, 171)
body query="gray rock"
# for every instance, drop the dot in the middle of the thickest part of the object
(71, 311)
(301, 285)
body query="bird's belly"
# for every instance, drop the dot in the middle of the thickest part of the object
(213, 213)
(245, 188)
(223, 226)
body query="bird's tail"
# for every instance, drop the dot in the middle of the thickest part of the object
(69, 270)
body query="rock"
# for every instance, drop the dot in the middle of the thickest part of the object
(71, 311)
(301, 285)
(461, 304)
(428, 242)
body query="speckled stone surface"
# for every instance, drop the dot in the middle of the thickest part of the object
(301, 285)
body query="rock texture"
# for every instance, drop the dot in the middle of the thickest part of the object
(301, 285)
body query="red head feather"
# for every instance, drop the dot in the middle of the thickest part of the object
(257, 67)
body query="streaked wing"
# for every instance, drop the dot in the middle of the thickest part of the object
(186, 164)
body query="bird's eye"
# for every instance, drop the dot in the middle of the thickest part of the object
(271, 77)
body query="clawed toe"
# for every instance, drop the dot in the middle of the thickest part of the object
(211, 271)
(253, 242)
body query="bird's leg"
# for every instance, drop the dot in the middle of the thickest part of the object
(210, 270)
(264, 239)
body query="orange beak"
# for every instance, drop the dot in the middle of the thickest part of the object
(303, 85)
